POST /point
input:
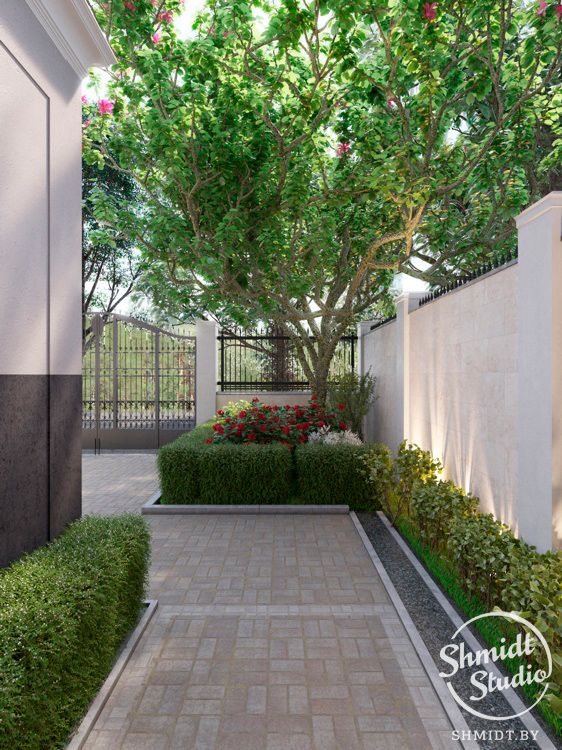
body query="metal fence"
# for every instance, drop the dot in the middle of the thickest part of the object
(138, 383)
(267, 361)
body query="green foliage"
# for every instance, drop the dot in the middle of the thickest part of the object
(378, 470)
(111, 264)
(493, 630)
(64, 611)
(245, 474)
(233, 409)
(284, 179)
(193, 471)
(393, 481)
(331, 474)
(476, 552)
(178, 465)
(434, 505)
(357, 393)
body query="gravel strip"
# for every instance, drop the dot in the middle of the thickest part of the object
(436, 630)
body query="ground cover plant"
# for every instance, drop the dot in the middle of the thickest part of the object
(64, 611)
(477, 560)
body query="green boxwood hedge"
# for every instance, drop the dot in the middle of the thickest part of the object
(245, 474)
(64, 611)
(332, 475)
(227, 473)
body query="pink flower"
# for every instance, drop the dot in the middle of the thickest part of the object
(226, 34)
(166, 16)
(156, 37)
(543, 5)
(86, 124)
(105, 107)
(130, 5)
(84, 99)
(343, 148)
(430, 11)
(559, 11)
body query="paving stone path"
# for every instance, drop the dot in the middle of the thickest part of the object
(271, 633)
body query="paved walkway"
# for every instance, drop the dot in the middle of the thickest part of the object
(272, 633)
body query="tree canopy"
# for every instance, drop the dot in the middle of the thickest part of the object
(293, 154)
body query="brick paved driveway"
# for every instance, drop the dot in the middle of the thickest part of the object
(272, 633)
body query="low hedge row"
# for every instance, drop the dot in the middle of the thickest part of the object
(331, 474)
(64, 611)
(490, 564)
(192, 471)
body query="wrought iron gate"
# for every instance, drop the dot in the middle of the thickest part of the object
(138, 383)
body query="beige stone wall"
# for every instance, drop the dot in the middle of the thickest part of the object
(381, 357)
(463, 387)
(458, 356)
(279, 398)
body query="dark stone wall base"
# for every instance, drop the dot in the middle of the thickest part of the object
(40, 460)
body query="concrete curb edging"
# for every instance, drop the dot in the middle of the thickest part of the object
(449, 706)
(510, 695)
(96, 707)
(152, 508)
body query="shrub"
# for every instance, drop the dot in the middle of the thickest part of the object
(393, 481)
(332, 474)
(239, 474)
(434, 505)
(268, 423)
(356, 393)
(64, 611)
(492, 567)
(178, 465)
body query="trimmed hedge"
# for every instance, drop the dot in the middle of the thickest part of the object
(178, 466)
(245, 474)
(64, 611)
(332, 475)
(228, 473)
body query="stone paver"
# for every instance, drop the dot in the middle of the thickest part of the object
(272, 633)
(117, 482)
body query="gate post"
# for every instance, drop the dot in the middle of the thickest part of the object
(205, 370)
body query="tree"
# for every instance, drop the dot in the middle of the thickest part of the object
(111, 264)
(291, 153)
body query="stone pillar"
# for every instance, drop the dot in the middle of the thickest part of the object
(405, 303)
(539, 309)
(206, 372)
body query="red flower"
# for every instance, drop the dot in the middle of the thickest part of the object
(251, 436)
(314, 397)
(343, 148)
(341, 407)
(263, 428)
(220, 413)
(243, 414)
(255, 400)
(286, 430)
(342, 426)
(218, 428)
(209, 441)
(430, 11)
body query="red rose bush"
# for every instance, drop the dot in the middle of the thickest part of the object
(269, 423)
